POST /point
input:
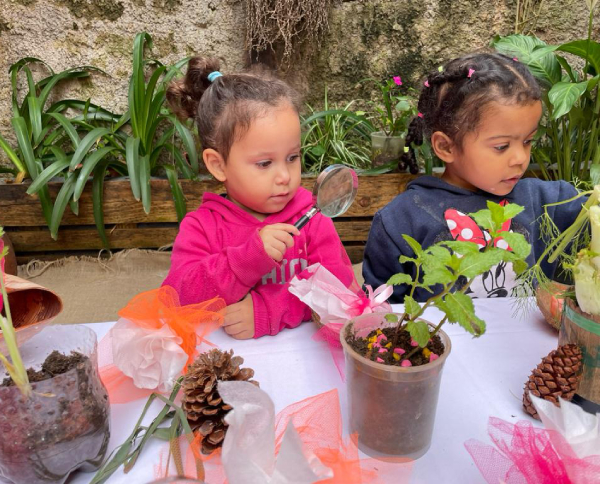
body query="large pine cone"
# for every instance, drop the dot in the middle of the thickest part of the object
(204, 408)
(558, 375)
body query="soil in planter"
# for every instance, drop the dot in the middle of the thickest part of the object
(366, 347)
(393, 416)
(63, 426)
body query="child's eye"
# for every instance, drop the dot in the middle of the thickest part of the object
(501, 148)
(293, 158)
(528, 142)
(263, 164)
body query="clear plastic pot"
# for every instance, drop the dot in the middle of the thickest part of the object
(64, 425)
(392, 409)
(385, 148)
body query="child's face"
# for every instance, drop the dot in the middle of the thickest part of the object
(263, 168)
(495, 156)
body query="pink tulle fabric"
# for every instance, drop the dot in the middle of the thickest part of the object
(523, 454)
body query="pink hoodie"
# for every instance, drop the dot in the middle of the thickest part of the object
(218, 252)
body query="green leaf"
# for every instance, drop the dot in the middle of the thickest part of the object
(35, 117)
(86, 144)
(60, 204)
(440, 253)
(98, 200)
(595, 174)
(459, 309)
(414, 245)
(472, 265)
(542, 64)
(411, 306)
(399, 279)
(391, 318)
(68, 127)
(519, 266)
(588, 50)
(462, 247)
(564, 95)
(419, 331)
(439, 275)
(12, 156)
(145, 182)
(20, 127)
(45, 176)
(188, 142)
(88, 166)
(484, 219)
(517, 242)
(511, 210)
(132, 156)
(177, 192)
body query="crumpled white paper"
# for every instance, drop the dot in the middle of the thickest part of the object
(152, 358)
(580, 429)
(249, 447)
(327, 296)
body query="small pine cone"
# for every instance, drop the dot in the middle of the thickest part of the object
(558, 375)
(201, 402)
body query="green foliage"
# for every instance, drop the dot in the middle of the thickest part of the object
(394, 111)
(335, 136)
(568, 142)
(80, 141)
(450, 263)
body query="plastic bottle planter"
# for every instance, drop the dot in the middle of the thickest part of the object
(64, 425)
(583, 329)
(392, 409)
(385, 148)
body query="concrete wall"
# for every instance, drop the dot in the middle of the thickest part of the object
(377, 38)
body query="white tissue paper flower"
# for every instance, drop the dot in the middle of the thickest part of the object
(153, 358)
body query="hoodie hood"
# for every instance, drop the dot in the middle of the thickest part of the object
(232, 213)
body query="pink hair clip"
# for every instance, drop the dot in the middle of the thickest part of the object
(426, 83)
(420, 115)
(471, 71)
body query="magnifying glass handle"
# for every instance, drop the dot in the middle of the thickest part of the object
(302, 221)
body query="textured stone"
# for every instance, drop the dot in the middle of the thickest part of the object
(377, 39)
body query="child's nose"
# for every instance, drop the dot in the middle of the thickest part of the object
(521, 156)
(283, 175)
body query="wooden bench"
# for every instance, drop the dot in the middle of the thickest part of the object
(128, 226)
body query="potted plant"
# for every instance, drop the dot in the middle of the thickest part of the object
(393, 116)
(578, 249)
(55, 414)
(568, 141)
(394, 362)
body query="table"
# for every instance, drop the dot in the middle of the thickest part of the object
(482, 377)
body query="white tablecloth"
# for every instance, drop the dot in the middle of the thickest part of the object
(482, 377)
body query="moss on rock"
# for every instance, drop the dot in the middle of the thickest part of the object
(90, 9)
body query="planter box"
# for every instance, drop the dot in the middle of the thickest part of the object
(128, 226)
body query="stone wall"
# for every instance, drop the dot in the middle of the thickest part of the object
(377, 38)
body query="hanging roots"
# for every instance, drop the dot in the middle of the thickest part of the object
(288, 24)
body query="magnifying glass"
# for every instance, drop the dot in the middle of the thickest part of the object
(333, 193)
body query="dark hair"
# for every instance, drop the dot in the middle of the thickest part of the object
(454, 98)
(223, 109)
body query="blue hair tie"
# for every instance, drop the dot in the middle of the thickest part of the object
(213, 75)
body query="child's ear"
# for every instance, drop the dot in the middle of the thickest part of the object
(214, 163)
(443, 147)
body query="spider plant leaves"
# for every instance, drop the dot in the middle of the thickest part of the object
(60, 204)
(88, 166)
(49, 172)
(20, 127)
(12, 156)
(145, 182)
(68, 127)
(98, 200)
(188, 142)
(86, 144)
(132, 157)
(177, 192)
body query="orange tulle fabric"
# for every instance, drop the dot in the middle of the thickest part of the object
(318, 422)
(152, 310)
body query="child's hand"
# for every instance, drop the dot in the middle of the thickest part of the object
(277, 238)
(239, 319)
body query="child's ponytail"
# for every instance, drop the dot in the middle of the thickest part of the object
(183, 95)
(414, 137)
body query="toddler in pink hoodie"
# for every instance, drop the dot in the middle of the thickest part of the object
(242, 246)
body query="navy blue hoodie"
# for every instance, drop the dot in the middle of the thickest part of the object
(421, 212)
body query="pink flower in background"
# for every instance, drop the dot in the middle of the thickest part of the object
(398, 80)
(426, 83)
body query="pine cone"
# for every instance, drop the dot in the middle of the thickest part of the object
(204, 408)
(558, 375)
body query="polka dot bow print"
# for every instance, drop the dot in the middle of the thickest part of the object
(464, 229)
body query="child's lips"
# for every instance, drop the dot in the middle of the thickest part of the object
(514, 179)
(280, 195)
